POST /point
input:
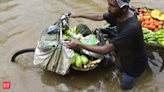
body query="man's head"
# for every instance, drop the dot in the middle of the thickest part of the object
(117, 7)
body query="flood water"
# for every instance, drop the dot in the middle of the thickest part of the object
(21, 23)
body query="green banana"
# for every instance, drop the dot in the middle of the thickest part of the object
(151, 39)
(163, 35)
(160, 39)
(153, 42)
(162, 43)
(157, 36)
(158, 32)
(160, 35)
(145, 31)
(159, 42)
(161, 30)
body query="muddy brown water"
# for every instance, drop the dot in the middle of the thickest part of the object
(21, 23)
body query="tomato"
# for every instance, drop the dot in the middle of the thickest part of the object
(147, 19)
(143, 23)
(153, 27)
(145, 26)
(160, 27)
(145, 14)
(156, 29)
(140, 10)
(160, 22)
(147, 22)
(149, 27)
(156, 24)
(144, 11)
(151, 24)
(151, 21)
(154, 20)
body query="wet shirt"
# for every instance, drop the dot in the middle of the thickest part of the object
(130, 45)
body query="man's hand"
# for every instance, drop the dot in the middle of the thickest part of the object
(73, 44)
(73, 14)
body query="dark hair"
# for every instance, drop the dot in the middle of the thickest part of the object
(126, 1)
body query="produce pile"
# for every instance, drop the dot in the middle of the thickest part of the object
(152, 25)
(80, 60)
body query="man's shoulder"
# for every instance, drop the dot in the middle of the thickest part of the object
(133, 23)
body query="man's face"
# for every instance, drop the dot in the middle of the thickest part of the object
(113, 8)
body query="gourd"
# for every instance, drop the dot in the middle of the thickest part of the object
(160, 17)
(83, 29)
(157, 14)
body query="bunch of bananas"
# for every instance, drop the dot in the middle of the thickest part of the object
(149, 36)
(153, 37)
(159, 35)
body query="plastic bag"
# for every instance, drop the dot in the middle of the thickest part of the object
(52, 55)
(89, 40)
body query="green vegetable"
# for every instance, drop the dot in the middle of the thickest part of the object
(83, 29)
(145, 31)
(66, 37)
(153, 42)
(163, 35)
(160, 39)
(162, 43)
(161, 30)
(151, 39)
(78, 62)
(69, 32)
(160, 35)
(158, 32)
(156, 36)
(73, 60)
(74, 29)
(76, 54)
(159, 42)
(84, 59)
(149, 35)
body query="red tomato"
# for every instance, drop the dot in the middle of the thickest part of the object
(160, 27)
(156, 29)
(143, 23)
(140, 10)
(149, 27)
(146, 26)
(151, 24)
(153, 27)
(147, 22)
(144, 11)
(156, 24)
(160, 22)
(154, 20)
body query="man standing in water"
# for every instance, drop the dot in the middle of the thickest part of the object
(128, 42)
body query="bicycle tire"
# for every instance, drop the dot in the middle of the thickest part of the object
(20, 52)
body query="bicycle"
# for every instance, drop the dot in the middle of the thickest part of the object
(59, 27)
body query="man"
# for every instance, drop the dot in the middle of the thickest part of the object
(128, 42)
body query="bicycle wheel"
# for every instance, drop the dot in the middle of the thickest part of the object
(25, 52)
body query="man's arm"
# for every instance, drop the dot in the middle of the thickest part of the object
(96, 17)
(97, 49)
